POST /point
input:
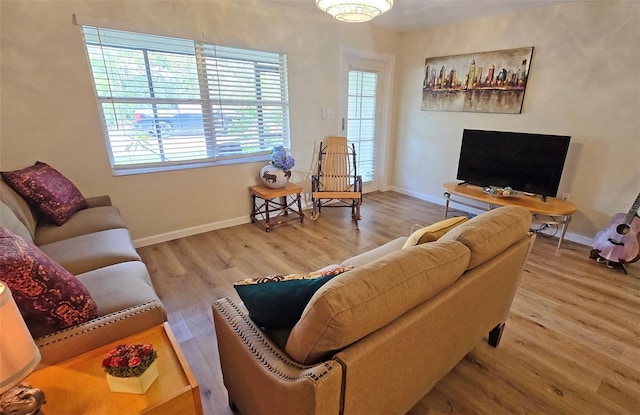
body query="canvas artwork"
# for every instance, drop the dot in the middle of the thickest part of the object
(477, 82)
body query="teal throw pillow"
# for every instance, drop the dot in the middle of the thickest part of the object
(278, 301)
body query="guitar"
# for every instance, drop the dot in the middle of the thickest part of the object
(620, 241)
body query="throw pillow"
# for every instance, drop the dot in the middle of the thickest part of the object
(433, 232)
(278, 301)
(44, 188)
(42, 289)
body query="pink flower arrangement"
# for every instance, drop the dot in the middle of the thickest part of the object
(129, 360)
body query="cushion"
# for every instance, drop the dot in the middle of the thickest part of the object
(10, 221)
(367, 298)
(492, 232)
(114, 288)
(120, 286)
(44, 188)
(42, 289)
(433, 232)
(19, 207)
(91, 220)
(278, 301)
(375, 253)
(92, 251)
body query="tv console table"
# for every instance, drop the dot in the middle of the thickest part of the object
(560, 210)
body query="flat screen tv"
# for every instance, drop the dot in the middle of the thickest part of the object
(531, 163)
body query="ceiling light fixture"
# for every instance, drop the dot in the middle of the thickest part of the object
(354, 11)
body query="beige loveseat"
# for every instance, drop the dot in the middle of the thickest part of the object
(95, 246)
(377, 338)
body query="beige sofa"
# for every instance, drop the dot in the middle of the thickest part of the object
(95, 246)
(377, 338)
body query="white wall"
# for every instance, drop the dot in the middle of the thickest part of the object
(49, 110)
(584, 81)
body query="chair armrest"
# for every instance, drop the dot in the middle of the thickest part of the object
(261, 378)
(70, 342)
(96, 201)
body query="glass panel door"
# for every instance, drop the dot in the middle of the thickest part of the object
(361, 111)
(361, 120)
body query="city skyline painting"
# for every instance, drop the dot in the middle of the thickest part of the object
(477, 82)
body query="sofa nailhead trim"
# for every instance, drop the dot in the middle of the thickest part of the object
(260, 338)
(139, 310)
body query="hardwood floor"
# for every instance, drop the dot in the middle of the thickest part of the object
(571, 344)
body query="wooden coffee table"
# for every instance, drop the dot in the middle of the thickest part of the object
(79, 385)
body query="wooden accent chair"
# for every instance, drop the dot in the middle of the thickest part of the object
(336, 183)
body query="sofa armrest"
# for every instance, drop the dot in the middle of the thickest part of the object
(261, 378)
(70, 342)
(96, 201)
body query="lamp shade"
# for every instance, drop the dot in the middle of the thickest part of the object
(19, 355)
(354, 11)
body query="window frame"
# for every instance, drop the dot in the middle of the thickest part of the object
(207, 102)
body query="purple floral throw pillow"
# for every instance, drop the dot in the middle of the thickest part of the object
(42, 289)
(44, 188)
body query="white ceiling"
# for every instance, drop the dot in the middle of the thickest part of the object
(421, 14)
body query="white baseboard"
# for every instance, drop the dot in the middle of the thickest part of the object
(182, 233)
(573, 237)
(579, 239)
(437, 200)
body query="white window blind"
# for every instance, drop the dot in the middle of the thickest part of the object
(361, 120)
(169, 102)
